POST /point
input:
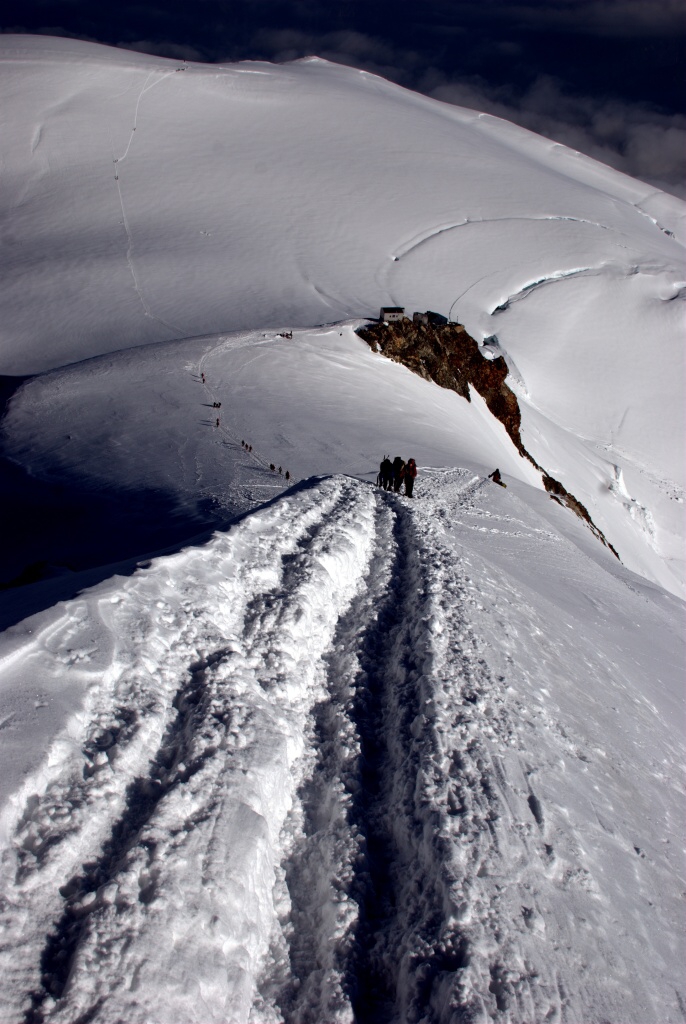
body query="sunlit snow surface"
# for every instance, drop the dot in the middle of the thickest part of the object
(352, 757)
(355, 754)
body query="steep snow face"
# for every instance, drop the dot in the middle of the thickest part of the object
(356, 758)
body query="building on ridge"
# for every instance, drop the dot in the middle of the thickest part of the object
(435, 319)
(392, 314)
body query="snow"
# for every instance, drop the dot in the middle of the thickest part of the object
(148, 411)
(150, 200)
(346, 756)
(186, 199)
(355, 755)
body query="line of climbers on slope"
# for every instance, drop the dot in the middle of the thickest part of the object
(244, 443)
(392, 474)
(287, 475)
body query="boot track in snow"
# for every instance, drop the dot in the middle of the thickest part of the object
(294, 790)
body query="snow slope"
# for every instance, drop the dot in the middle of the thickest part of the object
(141, 421)
(144, 420)
(147, 200)
(356, 757)
(350, 757)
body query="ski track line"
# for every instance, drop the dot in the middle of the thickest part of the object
(129, 238)
(145, 88)
(129, 260)
(125, 842)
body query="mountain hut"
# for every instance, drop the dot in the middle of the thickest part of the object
(391, 314)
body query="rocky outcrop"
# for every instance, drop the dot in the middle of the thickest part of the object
(449, 356)
(556, 490)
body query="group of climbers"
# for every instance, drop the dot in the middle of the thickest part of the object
(244, 444)
(393, 474)
(272, 466)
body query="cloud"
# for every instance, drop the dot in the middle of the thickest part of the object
(610, 18)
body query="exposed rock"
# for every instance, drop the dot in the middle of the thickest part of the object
(449, 356)
(562, 495)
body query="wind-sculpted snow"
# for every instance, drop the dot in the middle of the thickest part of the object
(356, 758)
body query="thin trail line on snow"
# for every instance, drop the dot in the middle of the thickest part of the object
(129, 262)
(129, 237)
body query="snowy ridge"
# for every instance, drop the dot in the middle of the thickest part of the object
(318, 778)
(587, 414)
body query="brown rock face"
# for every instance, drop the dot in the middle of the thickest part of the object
(563, 497)
(447, 355)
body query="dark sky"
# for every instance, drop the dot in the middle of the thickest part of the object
(603, 76)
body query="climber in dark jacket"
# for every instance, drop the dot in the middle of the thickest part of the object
(410, 474)
(385, 477)
(398, 473)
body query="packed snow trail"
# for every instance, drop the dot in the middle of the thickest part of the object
(138, 810)
(329, 767)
